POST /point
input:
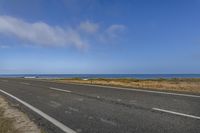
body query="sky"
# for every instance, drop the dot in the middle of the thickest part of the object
(100, 37)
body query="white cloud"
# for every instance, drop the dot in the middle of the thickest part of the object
(115, 29)
(89, 27)
(46, 35)
(40, 32)
(112, 33)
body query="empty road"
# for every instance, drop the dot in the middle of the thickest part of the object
(71, 108)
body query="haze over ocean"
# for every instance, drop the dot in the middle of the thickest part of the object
(138, 76)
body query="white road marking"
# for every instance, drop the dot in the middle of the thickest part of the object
(119, 100)
(90, 117)
(54, 104)
(67, 112)
(42, 114)
(80, 99)
(98, 97)
(142, 90)
(73, 109)
(24, 83)
(57, 89)
(4, 80)
(108, 122)
(177, 113)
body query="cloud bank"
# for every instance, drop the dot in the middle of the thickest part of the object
(40, 32)
(43, 34)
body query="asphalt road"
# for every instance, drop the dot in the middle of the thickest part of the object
(93, 109)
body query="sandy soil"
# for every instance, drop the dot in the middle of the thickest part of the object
(20, 121)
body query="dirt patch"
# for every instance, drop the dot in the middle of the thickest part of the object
(14, 121)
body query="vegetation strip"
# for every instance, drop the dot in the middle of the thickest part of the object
(179, 85)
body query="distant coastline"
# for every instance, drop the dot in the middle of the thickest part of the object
(135, 76)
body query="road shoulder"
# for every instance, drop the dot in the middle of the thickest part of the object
(13, 120)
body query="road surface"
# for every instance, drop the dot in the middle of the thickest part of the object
(71, 108)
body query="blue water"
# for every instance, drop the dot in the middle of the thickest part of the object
(138, 76)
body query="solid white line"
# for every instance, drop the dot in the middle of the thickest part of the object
(47, 117)
(142, 90)
(177, 113)
(57, 89)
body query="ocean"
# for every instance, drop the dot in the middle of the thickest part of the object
(138, 76)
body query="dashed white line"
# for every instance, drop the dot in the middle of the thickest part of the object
(98, 97)
(141, 90)
(57, 89)
(176, 113)
(42, 114)
(108, 122)
(24, 83)
(54, 104)
(73, 109)
(4, 80)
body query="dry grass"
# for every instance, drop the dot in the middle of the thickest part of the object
(6, 124)
(13, 120)
(186, 85)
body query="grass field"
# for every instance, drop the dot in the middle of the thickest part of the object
(174, 84)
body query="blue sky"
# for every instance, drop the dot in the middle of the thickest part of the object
(99, 36)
